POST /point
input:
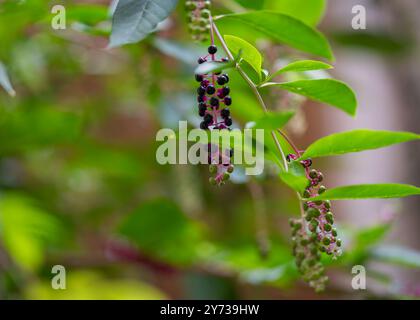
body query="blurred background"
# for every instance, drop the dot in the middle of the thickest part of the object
(80, 186)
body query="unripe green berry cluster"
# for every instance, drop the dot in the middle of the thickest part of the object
(307, 255)
(315, 230)
(198, 16)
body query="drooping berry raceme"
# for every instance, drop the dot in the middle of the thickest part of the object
(314, 234)
(213, 101)
(198, 16)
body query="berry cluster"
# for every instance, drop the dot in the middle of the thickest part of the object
(198, 18)
(213, 102)
(314, 234)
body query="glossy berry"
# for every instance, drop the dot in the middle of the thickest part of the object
(211, 89)
(201, 99)
(201, 91)
(225, 91)
(214, 102)
(202, 106)
(222, 80)
(228, 122)
(212, 49)
(227, 100)
(208, 118)
(204, 125)
(199, 77)
(201, 113)
(313, 174)
(225, 113)
(201, 60)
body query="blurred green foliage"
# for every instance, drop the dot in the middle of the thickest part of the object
(78, 169)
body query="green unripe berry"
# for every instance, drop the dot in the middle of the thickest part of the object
(213, 168)
(207, 4)
(231, 169)
(329, 217)
(190, 5)
(205, 13)
(306, 194)
(326, 241)
(226, 176)
(327, 204)
(338, 243)
(313, 174)
(297, 226)
(334, 232)
(322, 189)
(213, 181)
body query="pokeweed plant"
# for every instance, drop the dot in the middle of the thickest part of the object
(313, 233)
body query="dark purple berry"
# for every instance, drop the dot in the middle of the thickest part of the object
(222, 80)
(225, 59)
(202, 106)
(212, 49)
(227, 77)
(201, 60)
(201, 98)
(214, 102)
(201, 113)
(211, 89)
(228, 122)
(199, 77)
(201, 91)
(204, 125)
(225, 91)
(306, 163)
(227, 101)
(225, 113)
(208, 118)
(205, 83)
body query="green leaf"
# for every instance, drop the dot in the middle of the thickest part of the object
(274, 120)
(300, 66)
(214, 67)
(88, 14)
(297, 183)
(369, 191)
(251, 4)
(356, 141)
(308, 11)
(397, 255)
(5, 81)
(285, 29)
(332, 92)
(90, 284)
(26, 230)
(134, 20)
(248, 52)
(144, 227)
